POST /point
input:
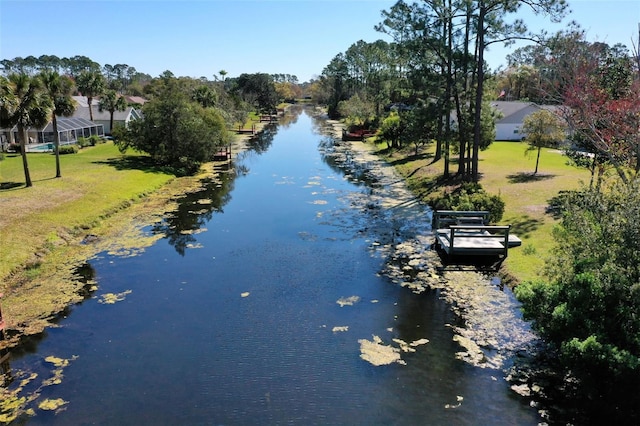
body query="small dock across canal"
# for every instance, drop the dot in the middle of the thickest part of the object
(467, 233)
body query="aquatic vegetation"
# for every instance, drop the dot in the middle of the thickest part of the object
(348, 301)
(111, 298)
(377, 353)
(11, 406)
(52, 404)
(193, 231)
(59, 362)
(15, 402)
(459, 400)
(307, 236)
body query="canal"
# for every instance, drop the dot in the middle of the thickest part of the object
(271, 299)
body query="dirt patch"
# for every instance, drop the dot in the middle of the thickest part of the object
(14, 207)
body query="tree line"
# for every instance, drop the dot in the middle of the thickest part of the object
(36, 91)
(435, 64)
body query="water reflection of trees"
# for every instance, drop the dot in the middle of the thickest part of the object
(291, 116)
(197, 208)
(342, 162)
(194, 210)
(262, 141)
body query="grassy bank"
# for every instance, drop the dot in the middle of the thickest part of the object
(101, 192)
(506, 171)
(95, 183)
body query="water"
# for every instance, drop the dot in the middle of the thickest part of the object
(45, 147)
(253, 309)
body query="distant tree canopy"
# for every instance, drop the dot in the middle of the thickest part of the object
(437, 54)
(258, 90)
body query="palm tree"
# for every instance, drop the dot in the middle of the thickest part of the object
(112, 102)
(58, 88)
(24, 104)
(90, 84)
(205, 96)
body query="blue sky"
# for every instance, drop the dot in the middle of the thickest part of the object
(199, 38)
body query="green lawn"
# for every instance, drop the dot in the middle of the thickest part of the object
(95, 183)
(506, 171)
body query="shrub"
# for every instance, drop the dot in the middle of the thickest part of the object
(94, 140)
(471, 196)
(68, 149)
(83, 142)
(589, 309)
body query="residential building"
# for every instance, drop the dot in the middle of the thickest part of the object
(509, 127)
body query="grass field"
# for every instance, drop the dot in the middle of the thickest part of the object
(506, 171)
(95, 183)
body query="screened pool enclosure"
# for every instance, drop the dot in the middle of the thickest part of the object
(69, 129)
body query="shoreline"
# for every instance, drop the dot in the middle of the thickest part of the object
(59, 286)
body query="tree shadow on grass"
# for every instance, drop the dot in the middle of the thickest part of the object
(524, 225)
(134, 162)
(410, 158)
(528, 177)
(7, 186)
(558, 203)
(12, 186)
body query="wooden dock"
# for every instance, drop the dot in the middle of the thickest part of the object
(466, 233)
(251, 131)
(268, 118)
(223, 154)
(446, 218)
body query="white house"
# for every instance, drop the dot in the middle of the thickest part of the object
(120, 118)
(508, 128)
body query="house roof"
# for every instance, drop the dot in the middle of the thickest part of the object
(126, 115)
(514, 112)
(69, 123)
(509, 108)
(64, 124)
(136, 100)
(82, 101)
